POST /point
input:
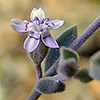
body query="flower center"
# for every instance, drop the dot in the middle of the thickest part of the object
(40, 25)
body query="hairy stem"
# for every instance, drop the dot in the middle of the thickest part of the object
(39, 71)
(86, 34)
(75, 45)
(37, 65)
(34, 95)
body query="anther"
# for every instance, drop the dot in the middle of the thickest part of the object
(36, 18)
(47, 19)
(41, 30)
(41, 22)
(46, 23)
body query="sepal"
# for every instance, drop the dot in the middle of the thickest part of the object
(39, 54)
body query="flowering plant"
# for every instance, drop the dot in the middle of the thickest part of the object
(59, 66)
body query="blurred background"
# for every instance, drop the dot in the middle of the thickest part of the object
(17, 73)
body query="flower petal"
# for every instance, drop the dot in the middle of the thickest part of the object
(55, 24)
(31, 43)
(48, 40)
(39, 13)
(20, 25)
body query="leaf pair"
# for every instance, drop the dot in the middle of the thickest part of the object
(65, 39)
(94, 68)
(66, 69)
(53, 84)
(68, 62)
(49, 85)
(93, 71)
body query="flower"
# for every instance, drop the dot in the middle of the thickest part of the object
(38, 29)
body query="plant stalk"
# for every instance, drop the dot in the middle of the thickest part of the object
(75, 45)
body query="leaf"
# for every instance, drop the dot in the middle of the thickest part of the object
(65, 39)
(49, 85)
(67, 68)
(68, 62)
(83, 76)
(94, 68)
(66, 53)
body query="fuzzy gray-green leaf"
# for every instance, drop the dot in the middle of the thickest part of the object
(65, 39)
(49, 85)
(66, 53)
(83, 76)
(67, 68)
(94, 67)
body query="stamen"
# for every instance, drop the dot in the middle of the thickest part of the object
(38, 22)
(47, 19)
(46, 23)
(41, 30)
(36, 18)
(42, 21)
(49, 26)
